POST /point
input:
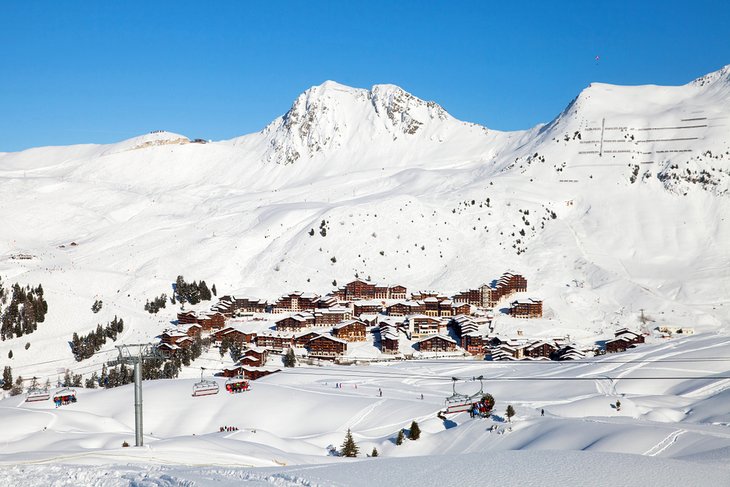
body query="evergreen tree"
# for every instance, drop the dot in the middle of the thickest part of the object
(399, 439)
(290, 359)
(618, 405)
(10, 354)
(7, 378)
(17, 388)
(510, 412)
(415, 432)
(215, 293)
(204, 291)
(349, 448)
(67, 379)
(374, 453)
(92, 381)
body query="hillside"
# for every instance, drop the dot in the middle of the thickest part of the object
(672, 425)
(617, 205)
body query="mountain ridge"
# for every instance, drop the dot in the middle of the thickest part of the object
(447, 207)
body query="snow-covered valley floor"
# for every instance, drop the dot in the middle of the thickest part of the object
(673, 427)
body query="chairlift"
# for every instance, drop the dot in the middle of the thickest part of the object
(64, 397)
(36, 394)
(460, 403)
(234, 385)
(205, 387)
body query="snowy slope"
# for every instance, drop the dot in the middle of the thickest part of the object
(673, 424)
(407, 194)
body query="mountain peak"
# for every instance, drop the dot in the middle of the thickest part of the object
(327, 115)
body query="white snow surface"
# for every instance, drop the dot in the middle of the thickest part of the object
(673, 395)
(637, 178)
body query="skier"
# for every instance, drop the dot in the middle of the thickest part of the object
(380, 392)
(542, 412)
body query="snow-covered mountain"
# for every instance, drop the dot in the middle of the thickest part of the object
(620, 203)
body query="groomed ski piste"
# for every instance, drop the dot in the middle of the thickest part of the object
(672, 428)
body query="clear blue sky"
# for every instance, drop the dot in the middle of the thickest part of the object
(78, 72)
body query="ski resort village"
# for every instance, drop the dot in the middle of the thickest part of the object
(364, 322)
(369, 291)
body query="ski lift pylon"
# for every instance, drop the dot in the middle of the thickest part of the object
(205, 387)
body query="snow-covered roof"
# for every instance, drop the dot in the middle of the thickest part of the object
(344, 324)
(431, 337)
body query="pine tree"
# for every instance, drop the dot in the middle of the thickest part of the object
(290, 359)
(399, 439)
(415, 431)
(213, 290)
(510, 412)
(17, 388)
(349, 448)
(10, 354)
(204, 291)
(374, 453)
(7, 378)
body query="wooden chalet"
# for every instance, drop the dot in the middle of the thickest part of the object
(397, 292)
(359, 289)
(461, 309)
(620, 344)
(422, 325)
(233, 371)
(362, 289)
(421, 295)
(191, 330)
(296, 302)
(436, 343)
(540, 349)
(277, 342)
(508, 284)
(332, 316)
(230, 305)
(297, 322)
(209, 321)
(168, 349)
(326, 346)
(404, 308)
(389, 341)
(472, 343)
(253, 373)
(302, 339)
(470, 296)
(526, 308)
(187, 318)
(254, 356)
(326, 302)
(171, 337)
(351, 331)
(239, 337)
(631, 336)
(368, 307)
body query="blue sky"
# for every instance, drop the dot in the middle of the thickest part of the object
(83, 72)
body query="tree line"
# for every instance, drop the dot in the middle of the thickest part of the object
(193, 292)
(84, 347)
(21, 309)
